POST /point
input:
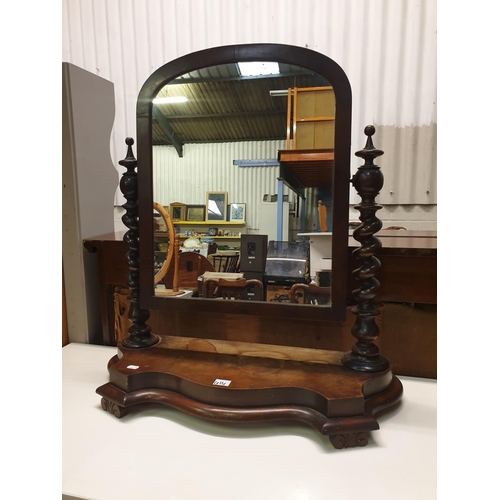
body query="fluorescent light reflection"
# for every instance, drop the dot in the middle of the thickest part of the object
(170, 100)
(258, 68)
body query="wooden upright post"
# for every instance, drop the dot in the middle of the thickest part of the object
(139, 334)
(368, 182)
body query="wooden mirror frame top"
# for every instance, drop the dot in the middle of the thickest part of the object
(287, 54)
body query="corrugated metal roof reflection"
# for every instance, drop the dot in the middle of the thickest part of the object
(223, 107)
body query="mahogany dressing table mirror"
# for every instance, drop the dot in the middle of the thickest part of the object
(337, 393)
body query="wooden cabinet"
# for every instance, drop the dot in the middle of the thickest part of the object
(112, 265)
(408, 259)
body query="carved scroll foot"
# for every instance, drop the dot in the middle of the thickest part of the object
(117, 411)
(349, 440)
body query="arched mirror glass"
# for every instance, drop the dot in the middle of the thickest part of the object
(241, 152)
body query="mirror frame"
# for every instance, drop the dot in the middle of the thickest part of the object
(287, 54)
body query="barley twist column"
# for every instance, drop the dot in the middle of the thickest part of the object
(139, 334)
(368, 182)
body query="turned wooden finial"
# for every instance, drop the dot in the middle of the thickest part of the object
(368, 182)
(369, 153)
(139, 334)
(130, 154)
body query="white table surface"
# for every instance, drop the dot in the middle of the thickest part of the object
(160, 453)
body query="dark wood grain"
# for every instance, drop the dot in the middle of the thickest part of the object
(315, 389)
(368, 181)
(140, 332)
(112, 272)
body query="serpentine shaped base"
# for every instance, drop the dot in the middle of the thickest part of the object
(264, 386)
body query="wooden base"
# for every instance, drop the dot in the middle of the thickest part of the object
(266, 383)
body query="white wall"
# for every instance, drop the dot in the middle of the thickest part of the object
(386, 47)
(209, 167)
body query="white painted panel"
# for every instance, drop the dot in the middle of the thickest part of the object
(268, 221)
(386, 47)
(88, 110)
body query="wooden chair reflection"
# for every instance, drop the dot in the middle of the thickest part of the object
(240, 289)
(225, 263)
(301, 293)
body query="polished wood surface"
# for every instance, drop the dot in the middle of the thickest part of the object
(405, 330)
(405, 275)
(408, 271)
(307, 167)
(262, 383)
(420, 240)
(248, 371)
(408, 259)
